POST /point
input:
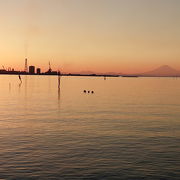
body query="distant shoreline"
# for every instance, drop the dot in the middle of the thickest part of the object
(44, 74)
(90, 75)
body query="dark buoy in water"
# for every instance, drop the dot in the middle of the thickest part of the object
(84, 91)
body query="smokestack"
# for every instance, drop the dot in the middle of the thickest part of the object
(26, 66)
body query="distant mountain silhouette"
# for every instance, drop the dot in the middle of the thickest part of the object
(162, 71)
(85, 72)
(110, 73)
(91, 72)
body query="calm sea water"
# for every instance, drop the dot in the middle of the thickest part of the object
(128, 129)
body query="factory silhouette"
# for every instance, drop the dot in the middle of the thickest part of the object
(32, 70)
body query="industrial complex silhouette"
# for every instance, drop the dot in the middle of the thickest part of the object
(32, 70)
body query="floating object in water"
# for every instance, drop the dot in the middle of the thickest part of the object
(20, 78)
(85, 91)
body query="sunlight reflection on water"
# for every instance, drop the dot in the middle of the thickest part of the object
(128, 129)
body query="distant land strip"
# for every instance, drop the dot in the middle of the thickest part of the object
(163, 71)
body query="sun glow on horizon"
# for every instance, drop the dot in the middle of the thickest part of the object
(99, 36)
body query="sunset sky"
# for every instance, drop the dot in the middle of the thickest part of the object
(90, 35)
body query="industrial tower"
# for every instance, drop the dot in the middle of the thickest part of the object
(50, 67)
(26, 66)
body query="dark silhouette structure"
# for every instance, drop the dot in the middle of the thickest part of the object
(31, 69)
(50, 72)
(38, 71)
(20, 78)
(92, 92)
(26, 66)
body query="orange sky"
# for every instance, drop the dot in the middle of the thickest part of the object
(99, 35)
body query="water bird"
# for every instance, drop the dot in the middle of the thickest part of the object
(88, 91)
(92, 92)
(84, 91)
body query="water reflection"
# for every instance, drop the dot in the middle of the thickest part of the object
(9, 87)
(25, 86)
(129, 129)
(20, 86)
(59, 89)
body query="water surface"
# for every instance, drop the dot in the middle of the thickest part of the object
(128, 129)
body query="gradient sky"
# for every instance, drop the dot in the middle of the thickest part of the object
(94, 35)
